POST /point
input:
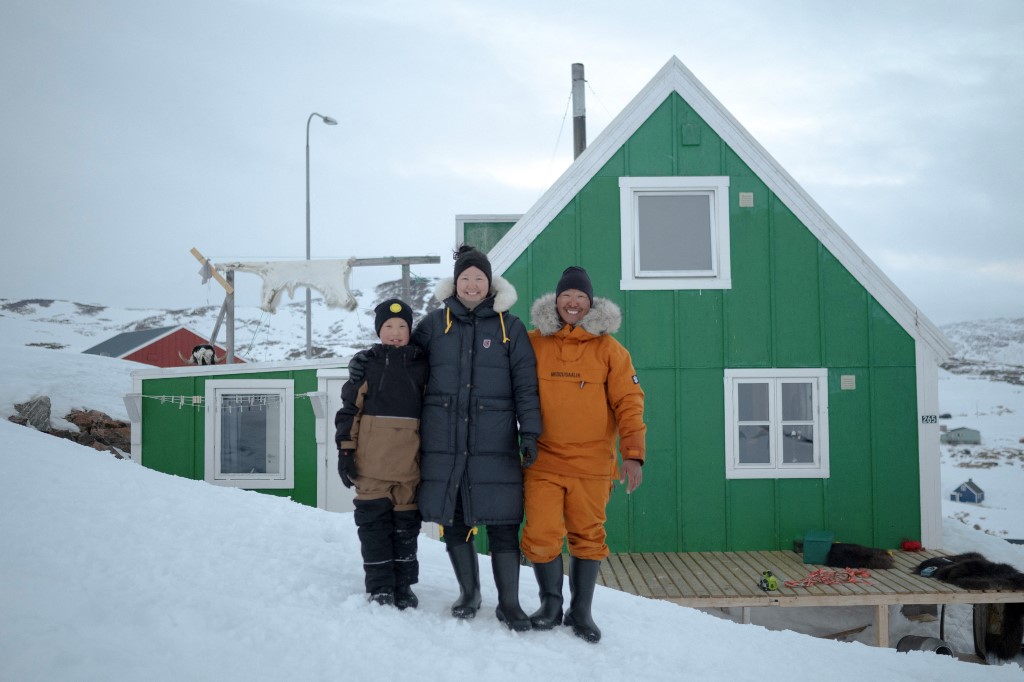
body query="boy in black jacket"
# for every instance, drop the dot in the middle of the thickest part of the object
(378, 437)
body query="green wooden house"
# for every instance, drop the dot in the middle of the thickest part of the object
(259, 426)
(790, 385)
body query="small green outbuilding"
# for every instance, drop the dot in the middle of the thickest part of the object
(790, 385)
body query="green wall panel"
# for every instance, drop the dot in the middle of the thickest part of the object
(646, 149)
(654, 507)
(849, 501)
(895, 447)
(891, 345)
(699, 149)
(752, 510)
(748, 305)
(553, 250)
(801, 507)
(796, 302)
(651, 323)
(845, 308)
(701, 454)
(699, 329)
(167, 440)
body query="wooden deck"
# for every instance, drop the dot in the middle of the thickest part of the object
(730, 579)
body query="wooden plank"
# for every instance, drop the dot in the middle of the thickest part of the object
(621, 576)
(693, 575)
(721, 584)
(738, 580)
(680, 587)
(626, 570)
(682, 565)
(607, 577)
(649, 576)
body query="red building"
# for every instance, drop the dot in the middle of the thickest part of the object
(158, 347)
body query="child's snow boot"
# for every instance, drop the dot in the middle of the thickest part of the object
(505, 566)
(582, 579)
(549, 579)
(467, 572)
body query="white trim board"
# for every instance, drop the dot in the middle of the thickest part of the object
(675, 77)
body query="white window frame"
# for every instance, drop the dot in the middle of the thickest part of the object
(720, 274)
(281, 389)
(775, 469)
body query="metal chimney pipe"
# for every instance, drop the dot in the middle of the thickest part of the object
(579, 112)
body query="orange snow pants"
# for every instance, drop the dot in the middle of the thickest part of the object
(559, 507)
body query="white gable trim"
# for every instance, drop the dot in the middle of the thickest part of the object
(674, 76)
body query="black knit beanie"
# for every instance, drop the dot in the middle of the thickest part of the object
(393, 307)
(576, 277)
(468, 257)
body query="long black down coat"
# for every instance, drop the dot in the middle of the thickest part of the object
(482, 393)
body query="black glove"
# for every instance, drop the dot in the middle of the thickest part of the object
(357, 366)
(528, 446)
(347, 466)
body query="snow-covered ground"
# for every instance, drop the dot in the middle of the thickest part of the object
(109, 571)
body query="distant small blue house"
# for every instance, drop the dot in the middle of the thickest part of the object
(961, 436)
(968, 492)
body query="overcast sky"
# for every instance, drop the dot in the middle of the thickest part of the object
(135, 130)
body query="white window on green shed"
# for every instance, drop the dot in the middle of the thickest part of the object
(776, 423)
(250, 433)
(675, 232)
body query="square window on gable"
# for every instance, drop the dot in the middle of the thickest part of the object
(675, 232)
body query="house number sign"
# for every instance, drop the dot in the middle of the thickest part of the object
(929, 419)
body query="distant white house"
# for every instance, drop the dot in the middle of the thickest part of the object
(968, 491)
(962, 435)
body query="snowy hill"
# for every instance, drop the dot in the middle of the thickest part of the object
(115, 572)
(989, 348)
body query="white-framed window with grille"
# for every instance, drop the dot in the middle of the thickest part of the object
(776, 423)
(250, 433)
(675, 232)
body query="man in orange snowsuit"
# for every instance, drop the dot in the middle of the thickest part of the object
(589, 398)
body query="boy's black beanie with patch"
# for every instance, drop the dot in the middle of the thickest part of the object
(393, 307)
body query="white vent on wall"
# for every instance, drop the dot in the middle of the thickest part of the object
(848, 382)
(746, 199)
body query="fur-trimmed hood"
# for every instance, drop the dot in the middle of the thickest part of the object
(604, 316)
(504, 293)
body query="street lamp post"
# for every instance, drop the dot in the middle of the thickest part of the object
(309, 305)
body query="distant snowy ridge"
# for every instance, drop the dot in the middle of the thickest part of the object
(259, 336)
(990, 348)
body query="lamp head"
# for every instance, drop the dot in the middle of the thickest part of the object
(330, 121)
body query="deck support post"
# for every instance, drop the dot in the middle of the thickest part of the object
(882, 625)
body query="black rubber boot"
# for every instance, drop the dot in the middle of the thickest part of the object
(582, 579)
(549, 579)
(505, 566)
(407, 566)
(375, 526)
(467, 572)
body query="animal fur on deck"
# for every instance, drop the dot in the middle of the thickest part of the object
(1004, 630)
(848, 555)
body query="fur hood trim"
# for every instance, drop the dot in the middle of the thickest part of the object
(504, 293)
(604, 316)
